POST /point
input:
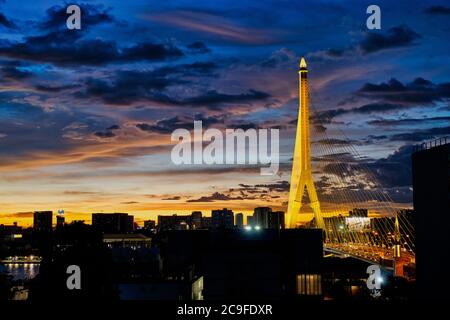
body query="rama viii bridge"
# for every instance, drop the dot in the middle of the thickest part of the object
(377, 233)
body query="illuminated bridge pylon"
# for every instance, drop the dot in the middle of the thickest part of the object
(301, 177)
(357, 215)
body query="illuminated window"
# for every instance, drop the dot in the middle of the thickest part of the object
(309, 284)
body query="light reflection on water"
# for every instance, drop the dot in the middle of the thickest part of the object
(20, 271)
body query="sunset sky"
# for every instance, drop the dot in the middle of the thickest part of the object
(86, 115)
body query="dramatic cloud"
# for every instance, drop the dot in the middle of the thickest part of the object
(105, 134)
(324, 117)
(4, 21)
(421, 135)
(438, 10)
(213, 98)
(400, 36)
(198, 47)
(407, 121)
(216, 196)
(395, 37)
(174, 198)
(415, 92)
(13, 73)
(167, 126)
(129, 86)
(391, 96)
(66, 48)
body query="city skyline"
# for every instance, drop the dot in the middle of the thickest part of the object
(89, 130)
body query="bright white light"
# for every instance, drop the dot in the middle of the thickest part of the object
(257, 227)
(248, 228)
(380, 280)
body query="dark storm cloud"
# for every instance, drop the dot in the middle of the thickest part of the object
(395, 37)
(198, 47)
(421, 135)
(324, 117)
(335, 141)
(188, 70)
(66, 48)
(48, 88)
(391, 96)
(407, 121)
(418, 91)
(434, 10)
(216, 196)
(104, 134)
(394, 170)
(277, 186)
(390, 175)
(133, 86)
(129, 86)
(375, 138)
(13, 73)
(213, 98)
(172, 198)
(91, 15)
(147, 51)
(4, 21)
(400, 36)
(166, 126)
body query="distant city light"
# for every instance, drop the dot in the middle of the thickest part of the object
(257, 227)
(248, 228)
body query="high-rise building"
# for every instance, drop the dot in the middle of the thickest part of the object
(172, 222)
(113, 222)
(149, 224)
(261, 217)
(222, 218)
(206, 222)
(42, 220)
(196, 219)
(239, 220)
(276, 220)
(431, 194)
(265, 218)
(250, 221)
(60, 220)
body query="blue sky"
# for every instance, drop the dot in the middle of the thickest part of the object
(86, 114)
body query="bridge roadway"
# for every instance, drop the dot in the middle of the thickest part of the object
(372, 255)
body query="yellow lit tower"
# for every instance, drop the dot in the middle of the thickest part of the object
(301, 177)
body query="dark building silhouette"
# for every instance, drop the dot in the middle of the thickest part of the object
(113, 222)
(149, 224)
(42, 220)
(261, 217)
(223, 218)
(196, 219)
(239, 220)
(431, 183)
(173, 222)
(60, 220)
(247, 264)
(276, 220)
(250, 221)
(206, 222)
(265, 218)
(8, 232)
